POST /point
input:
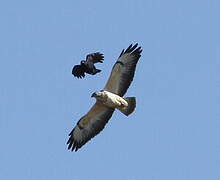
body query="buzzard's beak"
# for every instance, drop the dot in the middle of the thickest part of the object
(93, 95)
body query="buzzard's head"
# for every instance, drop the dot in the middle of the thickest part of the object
(98, 95)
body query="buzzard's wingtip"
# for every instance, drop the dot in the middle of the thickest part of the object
(134, 49)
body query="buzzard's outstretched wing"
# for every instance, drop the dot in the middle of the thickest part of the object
(79, 71)
(95, 57)
(89, 125)
(123, 70)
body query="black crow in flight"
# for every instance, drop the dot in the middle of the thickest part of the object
(87, 66)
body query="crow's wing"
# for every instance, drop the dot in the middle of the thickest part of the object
(78, 71)
(95, 57)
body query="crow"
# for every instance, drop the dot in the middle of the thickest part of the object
(87, 66)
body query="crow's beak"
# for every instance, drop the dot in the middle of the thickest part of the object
(93, 95)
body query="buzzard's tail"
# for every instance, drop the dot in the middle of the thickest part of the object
(131, 106)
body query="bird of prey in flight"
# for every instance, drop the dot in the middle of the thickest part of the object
(87, 66)
(108, 99)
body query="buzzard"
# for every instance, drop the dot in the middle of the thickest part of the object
(108, 99)
(87, 66)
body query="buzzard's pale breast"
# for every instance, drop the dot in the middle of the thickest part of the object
(114, 101)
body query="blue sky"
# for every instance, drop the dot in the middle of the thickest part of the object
(174, 132)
